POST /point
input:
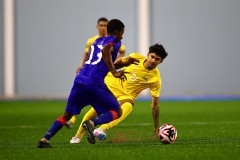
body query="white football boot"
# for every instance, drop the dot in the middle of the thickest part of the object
(75, 140)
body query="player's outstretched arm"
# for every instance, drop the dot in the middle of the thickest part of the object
(126, 61)
(155, 114)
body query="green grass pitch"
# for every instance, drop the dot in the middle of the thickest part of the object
(207, 130)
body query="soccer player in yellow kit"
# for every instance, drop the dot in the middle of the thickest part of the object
(139, 77)
(102, 31)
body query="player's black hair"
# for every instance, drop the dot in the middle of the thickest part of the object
(114, 25)
(159, 50)
(102, 19)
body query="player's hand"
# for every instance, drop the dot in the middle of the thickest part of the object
(119, 74)
(131, 60)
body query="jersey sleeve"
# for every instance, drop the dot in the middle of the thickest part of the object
(88, 45)
(155, 89)
(122, 48)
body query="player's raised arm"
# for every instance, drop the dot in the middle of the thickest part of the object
(125, 61)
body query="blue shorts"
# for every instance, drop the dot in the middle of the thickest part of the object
(98, 96)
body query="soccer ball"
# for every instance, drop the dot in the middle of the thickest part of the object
(167, 133)
(99, 134)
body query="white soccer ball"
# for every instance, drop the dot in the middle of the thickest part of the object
(167, 133)
(99, 134)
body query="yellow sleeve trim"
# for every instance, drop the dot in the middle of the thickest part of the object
(90, 42)
(122, 48)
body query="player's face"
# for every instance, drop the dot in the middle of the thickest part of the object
(153, 60)
(119, 34)
(102, 28)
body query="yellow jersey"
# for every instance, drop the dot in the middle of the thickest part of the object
(92, 39)
(138, 79)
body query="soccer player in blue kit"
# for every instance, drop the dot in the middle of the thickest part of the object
(89, 87)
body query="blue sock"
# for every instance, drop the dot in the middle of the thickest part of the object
(102, 119)
(54, 129)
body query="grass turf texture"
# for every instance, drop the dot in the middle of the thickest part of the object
(206, 130)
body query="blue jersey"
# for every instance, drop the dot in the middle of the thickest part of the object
(95, 69)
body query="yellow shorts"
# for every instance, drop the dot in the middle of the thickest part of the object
(114, 85)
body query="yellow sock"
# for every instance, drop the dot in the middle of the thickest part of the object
(126, 109)
(73, 119)
(89, 115)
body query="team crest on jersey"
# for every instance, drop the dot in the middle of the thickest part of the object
(133, 77)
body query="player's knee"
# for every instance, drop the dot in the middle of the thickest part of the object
(121, 102)
(116, 114)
